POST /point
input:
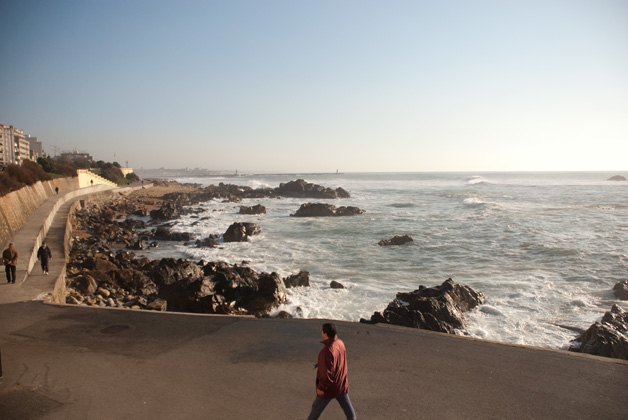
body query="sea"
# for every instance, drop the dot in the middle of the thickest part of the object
(545, 248)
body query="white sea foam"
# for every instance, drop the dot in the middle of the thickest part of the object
(538, 245)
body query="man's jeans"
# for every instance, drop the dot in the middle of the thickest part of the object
(10, 271)
(319, 405)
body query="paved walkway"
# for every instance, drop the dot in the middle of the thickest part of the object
(71, 362)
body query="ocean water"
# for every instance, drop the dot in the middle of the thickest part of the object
(545, 248)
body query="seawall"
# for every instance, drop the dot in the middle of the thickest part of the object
(17, 207)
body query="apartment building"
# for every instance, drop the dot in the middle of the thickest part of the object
(16, 147)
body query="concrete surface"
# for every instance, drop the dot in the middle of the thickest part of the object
(70, 362)
(82, 363)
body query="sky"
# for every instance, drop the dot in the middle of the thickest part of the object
(319, 86)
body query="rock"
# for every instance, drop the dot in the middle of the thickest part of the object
(86, 284)
(240, 232)
(335, 285)
(620, 290)
(301, 279)
(106, 266)
(284, 315)
(208, 242)
(163, 234)
(300, 188)
(168, 211)
(271, 293)
(607, 338)
(437, 308)
(103, 292)
(396, 240)
(618, 178)
(257, 209)
(325, 210)
(158, 305)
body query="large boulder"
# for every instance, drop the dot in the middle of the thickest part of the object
(438, 308)
(618, 178)
(620, 290)
(301, 188)
(168, 211)
(301, 279)
(396, 240)
(325, 210)
(608, 338)
(257, 209)
(240, 232)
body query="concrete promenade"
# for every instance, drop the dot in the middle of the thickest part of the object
(69, 362)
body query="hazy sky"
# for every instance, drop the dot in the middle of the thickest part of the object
(316, 86)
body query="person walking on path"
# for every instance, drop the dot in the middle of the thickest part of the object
(44, 255)
(9, 257)
(331, 375)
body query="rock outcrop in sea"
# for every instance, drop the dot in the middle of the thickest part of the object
(325, 210)
(256, 209)
(438, 308)
(396, 240)
(618, 178)
(608, 338)
(240, 232)
(620, 290)
(175, 202)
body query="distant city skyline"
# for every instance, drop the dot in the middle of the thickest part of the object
(290, 86)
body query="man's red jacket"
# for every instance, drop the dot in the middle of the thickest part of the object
(331, 377)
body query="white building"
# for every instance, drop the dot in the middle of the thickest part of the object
(16, 147)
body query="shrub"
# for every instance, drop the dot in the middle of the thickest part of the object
(132, 177)
(113, 174)
(8, 184)
(21, 175)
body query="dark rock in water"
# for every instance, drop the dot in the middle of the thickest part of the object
(325, 210)
(396, 240)
(335, 285)
(607, 338)
(168, 211)
(301, 279)
(271, 292)
(208, 242)
(239, 232)
(162, 233)
(620, 290)
(283, 315)
(618, 178)
(300, 188)
(437, 308)
(257, 209)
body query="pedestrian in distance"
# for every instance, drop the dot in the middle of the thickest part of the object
(9, 257)
(57, 190)
(44, 255)
(331, 375)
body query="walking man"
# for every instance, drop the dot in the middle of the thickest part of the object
(331, 376)
(9, 257)
(44, 254)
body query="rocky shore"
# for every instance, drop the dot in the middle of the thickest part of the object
(98, 275)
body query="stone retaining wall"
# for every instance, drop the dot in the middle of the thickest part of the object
(17, 207)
